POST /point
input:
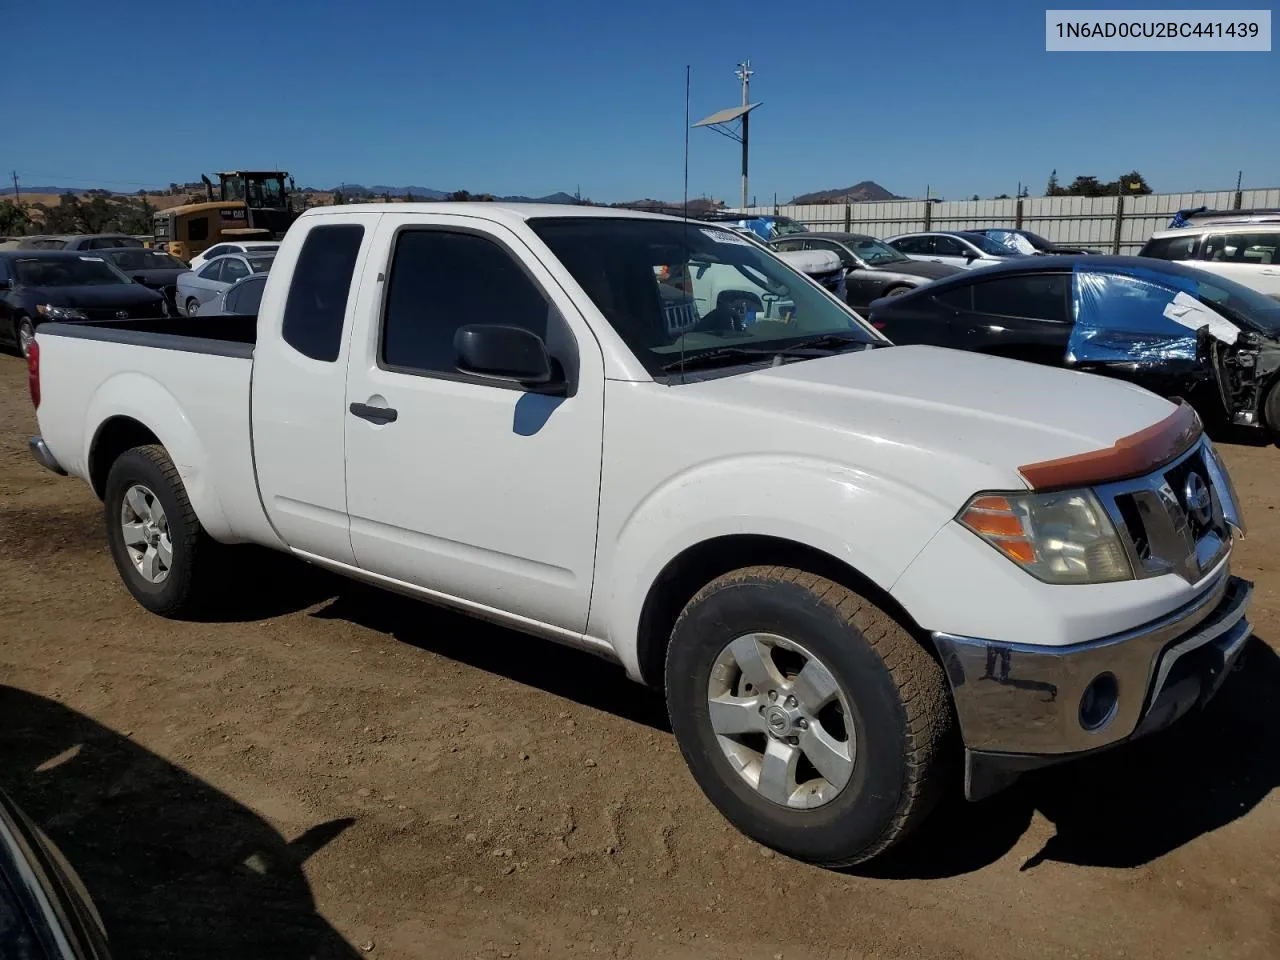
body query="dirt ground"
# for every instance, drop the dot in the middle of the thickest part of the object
(327, 771)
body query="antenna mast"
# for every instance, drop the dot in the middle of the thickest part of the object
(744, 73)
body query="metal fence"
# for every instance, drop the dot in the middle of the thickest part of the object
(1105, 224)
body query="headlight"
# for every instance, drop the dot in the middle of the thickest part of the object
(60, 313)
(1061, 537)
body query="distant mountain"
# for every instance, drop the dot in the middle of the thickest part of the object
(858, 193)
(559, 197)
(8, 191)
(377, 190)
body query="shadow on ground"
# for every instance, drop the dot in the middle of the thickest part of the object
(1125, 807)
(1120, 808)
(566, 672)
(175, 867)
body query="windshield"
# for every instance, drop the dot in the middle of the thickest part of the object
(873, 251)
(785, 226)
(1242, 304)
(133, 259)
(674, 291)
(260, 263)
(66, 272)
(988, 245)
(1037, 241)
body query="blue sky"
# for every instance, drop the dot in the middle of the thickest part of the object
(516, 97)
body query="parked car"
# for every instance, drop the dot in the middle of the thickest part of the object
(45, 911)
(151, 268)
(1028, 243)
(1172, 329)
(824, 267)
(872, 268)
(964, 250)
(1248, 252)
(765, 226)
(240, 299)
(91, 241)
(43, 285)
(827, 550)
(197, 287)
(241, 246)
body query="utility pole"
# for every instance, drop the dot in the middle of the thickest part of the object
(744, 73)
(17, 197)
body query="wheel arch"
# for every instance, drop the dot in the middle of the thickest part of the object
(131, 410)
(696, 566)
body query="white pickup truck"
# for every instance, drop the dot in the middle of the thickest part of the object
(846, 563)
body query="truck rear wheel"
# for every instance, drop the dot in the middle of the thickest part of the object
(808, 716)
(156, 541)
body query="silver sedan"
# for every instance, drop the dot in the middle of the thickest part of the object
(205, 284)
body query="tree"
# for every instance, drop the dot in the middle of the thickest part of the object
(338, 198)
(459, 196)
(1052, 189)
(14, 219)
(1003, 196)
(975, 197)
(1133, 183)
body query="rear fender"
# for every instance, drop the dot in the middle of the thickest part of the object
(143, 399)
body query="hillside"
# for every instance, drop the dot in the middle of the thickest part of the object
(858, 193)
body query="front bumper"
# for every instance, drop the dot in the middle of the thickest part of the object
(1020, 705)
(40, 450)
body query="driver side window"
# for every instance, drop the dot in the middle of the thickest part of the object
(948, 247)
(212, 272)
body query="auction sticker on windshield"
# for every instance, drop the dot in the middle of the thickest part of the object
(724, 236)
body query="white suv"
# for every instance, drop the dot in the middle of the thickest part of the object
(1242, 250)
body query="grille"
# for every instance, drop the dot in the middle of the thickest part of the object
(1162, 530)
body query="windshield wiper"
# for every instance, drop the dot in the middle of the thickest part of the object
(825, 341)
(719, 356)
(738, 354)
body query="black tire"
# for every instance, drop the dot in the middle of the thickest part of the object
(1271, 411)
(192, 306)
(177, 594)
(896, 291)
(897, 692)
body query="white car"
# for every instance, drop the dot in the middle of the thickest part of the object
(840, 560)
(1246, 251)
(959, 249)
(243, 246)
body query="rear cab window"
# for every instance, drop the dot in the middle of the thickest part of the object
(316, 307)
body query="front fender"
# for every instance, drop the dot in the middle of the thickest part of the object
(874, 524)
(140, 398)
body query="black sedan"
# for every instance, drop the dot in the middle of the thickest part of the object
(1170, 328)
(1027, 242)
(151, 268)
(872, 268)
(41, 285)
(45, 911)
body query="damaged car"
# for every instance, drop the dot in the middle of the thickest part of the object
(1173, 329)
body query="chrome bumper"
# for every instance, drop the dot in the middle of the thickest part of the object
(1025, 700)
(40, 450)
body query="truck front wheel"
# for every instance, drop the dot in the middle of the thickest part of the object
(156, 540)
(808, 716)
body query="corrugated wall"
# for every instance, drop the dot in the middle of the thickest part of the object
(1086, 221)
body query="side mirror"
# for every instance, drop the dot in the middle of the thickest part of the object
(971, 255)
(505, 354)
(138, 278)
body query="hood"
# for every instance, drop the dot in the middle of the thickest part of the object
(810, 261)
(920, 268)
(96, 295)
(945, 423)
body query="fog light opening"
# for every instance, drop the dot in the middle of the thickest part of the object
(1099, 702)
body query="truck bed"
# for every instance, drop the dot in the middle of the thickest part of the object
(221, 335)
